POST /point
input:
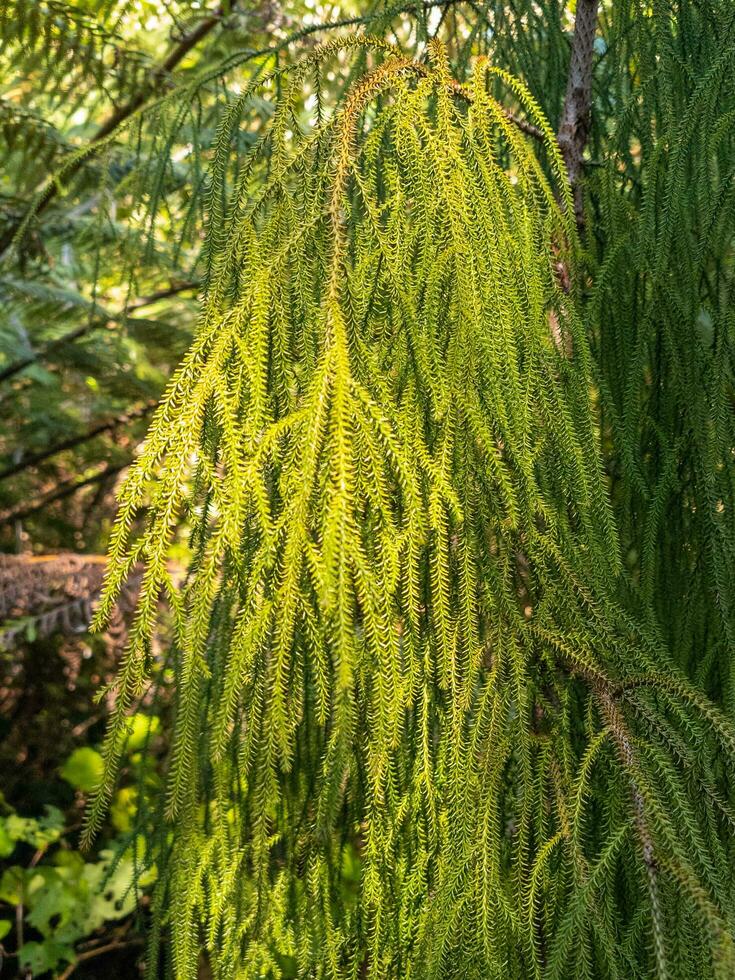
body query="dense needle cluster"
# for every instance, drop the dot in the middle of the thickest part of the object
(421, 730)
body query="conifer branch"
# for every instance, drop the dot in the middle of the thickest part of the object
(156, 77)
(393, 479)
(617, 727)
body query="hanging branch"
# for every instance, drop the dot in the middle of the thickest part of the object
(157, 76)
(573, 135)
(623, 741)
(575, 118)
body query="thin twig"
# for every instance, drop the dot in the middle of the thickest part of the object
(110, 425)
(90, 954)
(92, 325)
(66, 490)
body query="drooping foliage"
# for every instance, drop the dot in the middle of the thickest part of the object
(661, 315)
(453, 654)
(102, 193)
(404, 642)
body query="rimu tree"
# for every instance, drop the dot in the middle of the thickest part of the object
(453, 445)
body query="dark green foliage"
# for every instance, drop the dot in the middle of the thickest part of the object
(661, 317)
(52, 895)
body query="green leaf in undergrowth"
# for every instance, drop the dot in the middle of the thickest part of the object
(39, 832)
(12, 885)
(72, 898)
(69, 899)
(5, 926)
(7, 843)
(112, 895)
(43, 957)
(57, 900)
(123, 809)
(83, 769)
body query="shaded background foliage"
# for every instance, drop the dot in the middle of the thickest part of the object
(102, 265)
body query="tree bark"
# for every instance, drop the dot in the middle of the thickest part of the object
(575, 120)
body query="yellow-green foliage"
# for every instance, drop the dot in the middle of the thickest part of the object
(417, 732)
